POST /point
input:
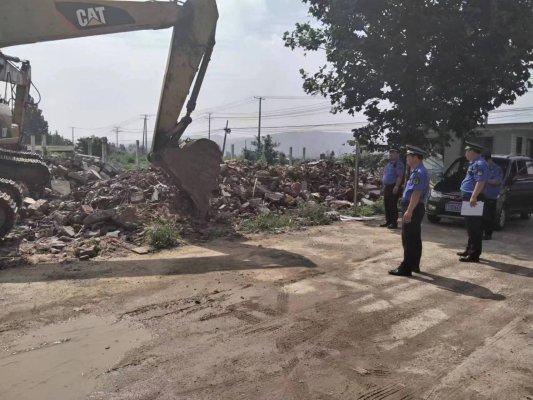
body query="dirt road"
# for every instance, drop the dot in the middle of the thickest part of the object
(306, 315)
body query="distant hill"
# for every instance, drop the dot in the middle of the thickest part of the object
(315, 143)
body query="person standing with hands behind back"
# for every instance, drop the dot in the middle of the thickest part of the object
(492, 192)
(392, 182)
(472, 190)
(413, 200)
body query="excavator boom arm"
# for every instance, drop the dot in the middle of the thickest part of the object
(32, 21)
(195, 168)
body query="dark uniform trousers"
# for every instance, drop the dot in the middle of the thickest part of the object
(474, 226)
(391, 205)
(489, 216)
(412, 239)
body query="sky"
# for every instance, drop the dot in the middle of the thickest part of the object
(97, 83)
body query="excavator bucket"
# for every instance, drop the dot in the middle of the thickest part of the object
(195, 166)
(195, 169)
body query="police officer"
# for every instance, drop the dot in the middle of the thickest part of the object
(413, 201)
(392, 182)
(492, 192)
(472, 189)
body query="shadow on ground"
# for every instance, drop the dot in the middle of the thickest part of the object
(458, 286)
(226, 256)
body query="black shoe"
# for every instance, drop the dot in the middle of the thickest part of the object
(385, 225)
(400, 272)
(462, 253)
(487, 237)
(469, 259)
(392, 227)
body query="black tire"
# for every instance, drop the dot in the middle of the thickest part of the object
(433, 219)
(525, 215)
(501, 219)
(8, 214)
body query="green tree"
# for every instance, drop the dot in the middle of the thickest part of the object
(34, 123)
(269, 153)
(83, 146)
(418, 66)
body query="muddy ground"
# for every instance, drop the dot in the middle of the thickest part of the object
(305, 315)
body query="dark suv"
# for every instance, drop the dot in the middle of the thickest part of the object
(516, 197)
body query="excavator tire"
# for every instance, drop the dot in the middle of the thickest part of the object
(13, 190)
(195, 168)
(33, 172)
(8, 214)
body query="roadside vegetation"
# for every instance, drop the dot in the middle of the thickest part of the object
(127, 161)
(162, 235)
(309, 214)
(378, 208)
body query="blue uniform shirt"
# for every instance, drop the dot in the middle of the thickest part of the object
(478, 171)
(393, 170)
(418, 180)
(495, 173)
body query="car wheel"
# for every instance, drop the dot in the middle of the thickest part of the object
(433, 219)
(525, 215)
(502, 219)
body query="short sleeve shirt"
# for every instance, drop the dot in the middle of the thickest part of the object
(478, 171)
(418, 180)
(393, 170)
(495, 173)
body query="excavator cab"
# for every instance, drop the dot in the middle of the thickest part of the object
(194, 167)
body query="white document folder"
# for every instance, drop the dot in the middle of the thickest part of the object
(468, 211)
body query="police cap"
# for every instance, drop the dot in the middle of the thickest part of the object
(416, 151)
(474, 147)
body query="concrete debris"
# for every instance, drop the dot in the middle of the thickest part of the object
(61, 187)
(95, 209)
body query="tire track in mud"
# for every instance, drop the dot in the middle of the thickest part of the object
(395, 391)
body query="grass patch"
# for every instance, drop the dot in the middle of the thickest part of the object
(378, 208)
(269, 222)
(313, 214)
(163, 235)
(309, 214)
(127, 161)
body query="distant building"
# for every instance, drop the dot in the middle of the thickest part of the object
(513, 139)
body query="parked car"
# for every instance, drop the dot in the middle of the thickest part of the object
(516, 197)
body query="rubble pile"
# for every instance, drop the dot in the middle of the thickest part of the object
(95, 209)
(248, 189)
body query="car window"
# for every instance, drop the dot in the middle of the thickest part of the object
(458, 168)
(521, 168)
(529, 166)
(503, 164)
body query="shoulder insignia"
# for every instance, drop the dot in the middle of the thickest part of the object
(416, 180)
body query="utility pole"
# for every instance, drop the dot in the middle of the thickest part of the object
(104, 150)
(137, 154)
(117, 131)
(227, 131)
(74, 144)
(356, 172)
(145, 134)
(209, 137)
(259, 125)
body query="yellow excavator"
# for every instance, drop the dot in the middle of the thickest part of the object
(194, 167)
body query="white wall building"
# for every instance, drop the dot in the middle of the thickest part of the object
(508, 139)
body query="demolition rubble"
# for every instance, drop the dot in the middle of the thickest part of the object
(98, 210)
